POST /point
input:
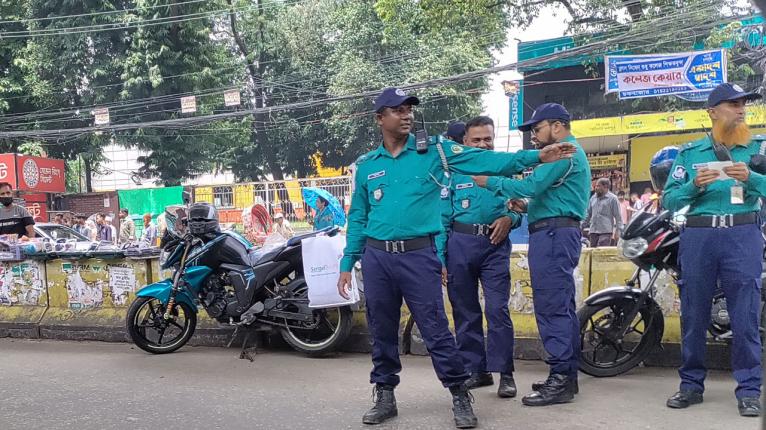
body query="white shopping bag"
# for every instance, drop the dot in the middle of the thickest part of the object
(321, 268)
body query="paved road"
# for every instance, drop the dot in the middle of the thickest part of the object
(74, 385)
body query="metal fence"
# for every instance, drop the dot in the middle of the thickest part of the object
(277, 196)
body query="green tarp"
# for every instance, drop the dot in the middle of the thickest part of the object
(148, 200)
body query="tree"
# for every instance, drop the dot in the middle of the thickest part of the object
(177, 57)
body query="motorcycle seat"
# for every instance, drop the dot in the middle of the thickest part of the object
(295, 240)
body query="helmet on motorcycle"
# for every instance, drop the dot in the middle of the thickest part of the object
(659, 167)
(203, 219)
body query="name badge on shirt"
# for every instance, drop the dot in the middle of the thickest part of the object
(464, 186)
(737, 195)
(376, 175)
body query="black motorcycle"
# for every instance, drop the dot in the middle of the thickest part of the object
(236, 284)
(620, 326)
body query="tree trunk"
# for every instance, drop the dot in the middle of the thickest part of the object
(255, 69)
(88, 174)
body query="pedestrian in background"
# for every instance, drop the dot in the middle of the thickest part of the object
(149, 235)
(604, 219)
(282, 226)
(127, 227)
(624, 207)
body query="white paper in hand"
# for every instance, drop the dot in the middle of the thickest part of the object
(321, 268)
(717, 166)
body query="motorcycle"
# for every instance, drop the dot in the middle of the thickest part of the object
(620, 326)
(236, 284)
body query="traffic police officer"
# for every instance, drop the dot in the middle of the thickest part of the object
(394, 216)
(559, 194)
(478, 223)
(720, 242)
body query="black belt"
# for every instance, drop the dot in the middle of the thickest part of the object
(400, 246)
(475, 229)
(721, 221)
(555, 222)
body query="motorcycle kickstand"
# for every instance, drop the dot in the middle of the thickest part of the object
(247, 353)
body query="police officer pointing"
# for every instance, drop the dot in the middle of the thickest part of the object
(393, 219)
(479, 249)
(559, 194)
(721, 242)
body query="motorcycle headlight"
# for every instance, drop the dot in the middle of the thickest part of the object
(632, 248)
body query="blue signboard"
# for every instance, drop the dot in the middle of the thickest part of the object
(515, 92)
(636, 76)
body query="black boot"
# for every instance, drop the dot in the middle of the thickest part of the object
(461, 407)
(749, 406)
(556, 389)
(479, 379)
(385, 405)
(507, 387)
(573, 385)
(683, 399)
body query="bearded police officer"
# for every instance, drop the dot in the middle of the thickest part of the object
(393, 219)
(559, 195)
(721, 242)
(478, 223)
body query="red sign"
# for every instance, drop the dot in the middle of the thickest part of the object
(40, 174)
(8, 169)
(35, 197)
(39, 211)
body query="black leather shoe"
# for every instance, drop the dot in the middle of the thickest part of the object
(684, 399)
(749, 406)
(556, 389)
(479, 379)
(507, 387)
(385, 405)
(462, 409)
(573, 385)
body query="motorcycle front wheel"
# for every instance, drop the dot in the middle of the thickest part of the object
(605, 351)
(330, 328)
(150, 331)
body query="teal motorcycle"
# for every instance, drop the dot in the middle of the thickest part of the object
(237, 285)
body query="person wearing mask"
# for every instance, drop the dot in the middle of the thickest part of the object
(478, 249)
(603, 220)
(103, 229)
(282, 226)
(558, 198)
(721, 246)
(127, 227)
(149, 235)
(14, 219)
(405, 177)
(324, 216)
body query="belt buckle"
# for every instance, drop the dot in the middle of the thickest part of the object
(396, 246)
(723, 221)
(481, 229)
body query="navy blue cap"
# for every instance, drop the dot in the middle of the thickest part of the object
(548, 111)
(729, 92)
(394, 97)
(456, 131)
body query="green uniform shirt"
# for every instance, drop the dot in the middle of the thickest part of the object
(398, 198)
(715, 198)
(323, 219)
(560, 189)
(469, 203)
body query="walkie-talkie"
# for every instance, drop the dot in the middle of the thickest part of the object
(721, 152)
(421, 138)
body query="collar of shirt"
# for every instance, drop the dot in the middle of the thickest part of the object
(383, 152)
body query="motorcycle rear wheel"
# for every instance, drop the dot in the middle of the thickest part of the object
(333, 329)
(604, 352)
(147, 327)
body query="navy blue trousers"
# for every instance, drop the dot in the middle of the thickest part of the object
(553, 256)
(414, 276)
(733, 256)
(471, 258)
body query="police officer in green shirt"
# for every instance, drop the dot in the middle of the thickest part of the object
(721, 242)
(393, 219)
(559, 194)
(479, 249)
